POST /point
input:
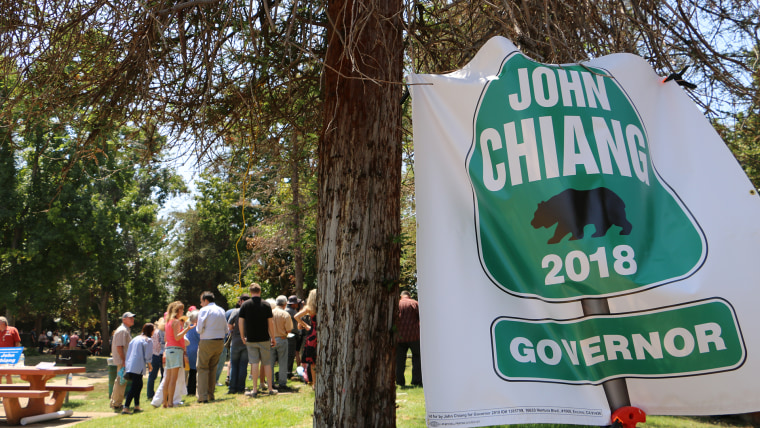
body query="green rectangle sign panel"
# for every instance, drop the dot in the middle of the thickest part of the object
(691, 339)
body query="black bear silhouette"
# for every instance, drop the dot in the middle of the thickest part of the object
(573, 209)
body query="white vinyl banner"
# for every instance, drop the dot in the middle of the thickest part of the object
(585, 239)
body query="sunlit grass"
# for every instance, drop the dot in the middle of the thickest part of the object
(286, 410)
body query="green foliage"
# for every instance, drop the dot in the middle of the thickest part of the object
(210, 250)
(75, 226)
(408, 274)
(232, 292)
(743, 138)
(742, 133)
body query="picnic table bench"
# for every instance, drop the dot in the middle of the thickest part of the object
(37, 391)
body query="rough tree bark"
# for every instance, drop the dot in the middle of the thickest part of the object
(295, 185)
(103, 311)
(359, 215)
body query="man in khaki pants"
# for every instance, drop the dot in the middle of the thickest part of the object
(212, 328)
(282, 326)
(119, 345)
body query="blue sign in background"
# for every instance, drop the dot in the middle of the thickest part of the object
(10, 355)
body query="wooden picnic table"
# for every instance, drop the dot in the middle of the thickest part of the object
(36, 391)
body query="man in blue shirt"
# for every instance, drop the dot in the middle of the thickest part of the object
(212, 328)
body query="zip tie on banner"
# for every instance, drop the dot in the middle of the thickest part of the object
(678, 78)
(405, 96)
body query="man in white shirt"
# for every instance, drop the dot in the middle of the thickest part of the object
(212, 328)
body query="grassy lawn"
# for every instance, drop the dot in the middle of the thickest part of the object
(284, 410)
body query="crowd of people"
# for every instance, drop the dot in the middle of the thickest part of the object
(189, 350)
(52, 341)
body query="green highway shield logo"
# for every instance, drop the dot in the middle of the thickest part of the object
(568, 204)
(692, 339)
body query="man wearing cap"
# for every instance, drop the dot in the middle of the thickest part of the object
(119, 345)
(212, 328)
(296, 336)
(283, 324)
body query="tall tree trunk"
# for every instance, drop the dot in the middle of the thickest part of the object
(295, 163)
(359, 215)
(104, 333)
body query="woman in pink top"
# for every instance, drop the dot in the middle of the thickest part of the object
(175, 349)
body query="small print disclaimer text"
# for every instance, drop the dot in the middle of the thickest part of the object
(475, 417)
